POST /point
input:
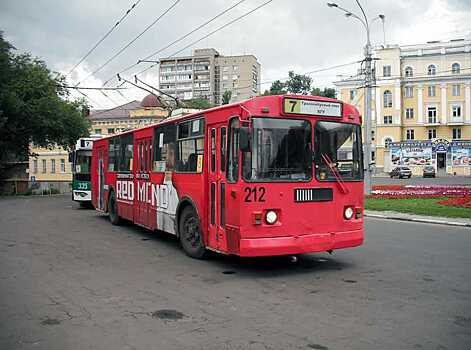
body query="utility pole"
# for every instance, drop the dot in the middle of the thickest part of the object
(369, 81)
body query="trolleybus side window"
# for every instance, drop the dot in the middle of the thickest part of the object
(233, 157)
(164, 148)
(120, 154)
(223, 149)
(190, 144)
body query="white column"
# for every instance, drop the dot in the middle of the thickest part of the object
(397, 102)
(378, 99)
(444, 104)
(467, 99)
(420, 104)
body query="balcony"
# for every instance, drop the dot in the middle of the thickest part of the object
(432, 121)
(455, 121)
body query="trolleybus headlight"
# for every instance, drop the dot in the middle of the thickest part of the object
(348, 213)
(271, 217)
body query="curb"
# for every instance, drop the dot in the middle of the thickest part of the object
(418, 219)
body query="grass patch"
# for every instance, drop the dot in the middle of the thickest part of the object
(419, 206)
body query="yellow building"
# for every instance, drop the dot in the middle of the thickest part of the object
(50, 168)
(421, 110)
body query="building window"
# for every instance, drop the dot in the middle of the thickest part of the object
(408, 72)
(35, 166)
(235, 67)
(98, 131)
(53, 165)
(456, 133)
(353, 94)
(455, 68)
(387, 99)
(62, 165)
(409, 91)
(432, 134)
(373, 156)
(387, 141)
(44, 166)
(388, 119)
(432, 91)
(456, 90)
(432, 115)
(409, 113)
(372, 135)
(456, 111)
(432, 70)
(386, 71)
(410, 134)
(110, 130)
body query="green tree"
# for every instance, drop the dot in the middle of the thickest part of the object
(33, 106)
(298, 83)
(276, 88)
(198, 103)
(226, 97)
(327, 92)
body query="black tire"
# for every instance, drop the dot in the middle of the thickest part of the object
(112, 210)
(189, 230)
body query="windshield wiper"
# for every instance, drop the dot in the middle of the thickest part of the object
(335, 172)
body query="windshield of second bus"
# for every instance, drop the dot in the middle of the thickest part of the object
(82, 162)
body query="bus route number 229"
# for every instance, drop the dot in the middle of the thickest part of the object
(254, 194)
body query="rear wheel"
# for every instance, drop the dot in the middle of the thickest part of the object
(112, 210)
(191, 238)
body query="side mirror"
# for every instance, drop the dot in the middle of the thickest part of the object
(245, 139)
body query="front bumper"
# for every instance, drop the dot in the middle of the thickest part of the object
(310, 243)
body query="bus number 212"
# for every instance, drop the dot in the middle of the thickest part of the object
(255, 194)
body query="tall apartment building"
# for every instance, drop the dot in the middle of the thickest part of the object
(207, 74)
(421, 106)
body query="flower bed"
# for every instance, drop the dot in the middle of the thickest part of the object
(413, 191)
(464, 202)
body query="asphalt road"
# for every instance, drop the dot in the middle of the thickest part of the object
(429, 181)
(70, 280)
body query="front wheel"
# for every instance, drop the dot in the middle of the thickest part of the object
(191, 238)
(112, 210)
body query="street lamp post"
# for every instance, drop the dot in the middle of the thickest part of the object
(369, 79)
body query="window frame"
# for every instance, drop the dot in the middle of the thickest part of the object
(431, 69)
(201, 135)
(387, 99)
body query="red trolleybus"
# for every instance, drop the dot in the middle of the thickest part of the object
(273, 175)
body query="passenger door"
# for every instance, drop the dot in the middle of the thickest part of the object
(217, 136)
(142, 181)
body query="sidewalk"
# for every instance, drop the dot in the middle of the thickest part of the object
(392, 215)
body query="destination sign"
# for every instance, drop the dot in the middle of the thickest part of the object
(300, 106)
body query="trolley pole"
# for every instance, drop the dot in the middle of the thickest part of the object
(367, 124)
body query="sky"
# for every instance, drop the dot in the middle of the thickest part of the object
(301, 35)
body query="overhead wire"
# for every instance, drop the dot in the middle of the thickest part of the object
(130, 43)
(105, 36)
(210, 33)
(177, 40)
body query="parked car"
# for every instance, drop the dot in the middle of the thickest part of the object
(400, 172)
(429, 171)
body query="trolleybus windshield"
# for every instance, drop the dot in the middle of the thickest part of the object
(337, 151)
(280, 151)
